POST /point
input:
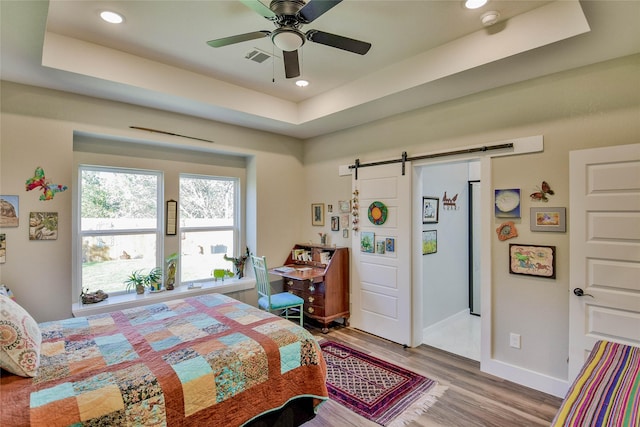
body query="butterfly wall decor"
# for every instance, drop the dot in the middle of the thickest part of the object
(39, 181)
(541, 194)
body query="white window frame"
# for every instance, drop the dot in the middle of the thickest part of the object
(158, 231)
(235, 227)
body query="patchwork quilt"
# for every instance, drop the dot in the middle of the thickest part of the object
(607, 390)
(207, 360)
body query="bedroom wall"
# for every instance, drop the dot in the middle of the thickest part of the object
(37, 129)
(594, 106)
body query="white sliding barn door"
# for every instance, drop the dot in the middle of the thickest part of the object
(605, 249)
(381, 282)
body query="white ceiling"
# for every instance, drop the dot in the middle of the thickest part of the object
(424, 52)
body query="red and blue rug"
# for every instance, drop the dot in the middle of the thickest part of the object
(379, 391)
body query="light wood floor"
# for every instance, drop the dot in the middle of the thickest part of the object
(470, 397)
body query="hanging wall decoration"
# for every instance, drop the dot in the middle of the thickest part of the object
(3, 248)
(367, 241)
(533, 260)
(9, 215)
(507, 203)
(430, 208)
(507, 230)
(548, 219)
(543, 191)
(43, 225)
(429, 242)
(449, 203)
(377, 213)
(355, 206)
(40, 182)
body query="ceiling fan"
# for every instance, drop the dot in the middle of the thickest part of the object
(289, 16)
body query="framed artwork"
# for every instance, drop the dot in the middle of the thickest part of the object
(380, 246)
(3, 248)
(43, 225)
(172, 217)
(429, 242)
(367, 241)
(548, 219)
(533, 260)
(507, 203)
(344, 206)
(344, 220)
(330, 208)
(335, 223)
(430, 208)
(345, 233)
(390, 244)
(317, 214)
(9, 215)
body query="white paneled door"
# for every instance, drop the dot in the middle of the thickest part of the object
(381, 279)
(605, 249)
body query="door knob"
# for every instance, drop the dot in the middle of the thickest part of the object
(579, 292)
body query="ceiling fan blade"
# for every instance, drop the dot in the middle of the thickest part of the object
(340, 42)
(291, 66)
(315, 8)
(225, 41)
(259, 7)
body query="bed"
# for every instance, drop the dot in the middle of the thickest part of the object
(207, 360)
(607, 390)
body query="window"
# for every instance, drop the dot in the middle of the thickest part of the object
(208, 225)
(120, 225)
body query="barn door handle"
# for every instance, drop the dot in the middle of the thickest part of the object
(579, 292)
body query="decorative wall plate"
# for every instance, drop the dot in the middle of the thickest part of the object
(377, 213)
(507, 230)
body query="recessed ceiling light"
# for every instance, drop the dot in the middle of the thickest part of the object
(302, 83)
(474, 4)
(111, 17)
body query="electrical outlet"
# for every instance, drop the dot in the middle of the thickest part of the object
(514, 340)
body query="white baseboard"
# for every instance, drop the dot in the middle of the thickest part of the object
(526, 377)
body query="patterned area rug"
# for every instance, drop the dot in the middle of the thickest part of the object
(379, 391)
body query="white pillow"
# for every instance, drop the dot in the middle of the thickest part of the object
(20, 339)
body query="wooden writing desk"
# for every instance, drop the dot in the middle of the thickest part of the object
(324, 286)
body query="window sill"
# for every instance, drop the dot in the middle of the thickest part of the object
(124, 301)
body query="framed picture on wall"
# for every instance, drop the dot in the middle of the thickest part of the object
(9, 215)
(43, 225)
(367, 241)
(335, 223)
(430, 207)
(317, 214)
(429, 242)
(548, 219)
(533, 260)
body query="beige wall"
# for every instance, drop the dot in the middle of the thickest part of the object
(37, 128)
(589, 107)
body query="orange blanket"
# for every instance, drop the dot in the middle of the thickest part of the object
(207, 360)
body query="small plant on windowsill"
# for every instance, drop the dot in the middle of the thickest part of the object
(139, 281)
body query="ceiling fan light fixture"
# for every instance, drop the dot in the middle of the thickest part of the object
(287, 39)
(475, 4)
(111, 17)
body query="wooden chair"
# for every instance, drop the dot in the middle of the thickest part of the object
(283, 302)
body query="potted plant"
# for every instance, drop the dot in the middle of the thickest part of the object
(153, 279)
(139, 281)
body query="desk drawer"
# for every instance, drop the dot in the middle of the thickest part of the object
(313, 309)
(306, 286)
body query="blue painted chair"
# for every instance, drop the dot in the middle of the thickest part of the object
(289, 305)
